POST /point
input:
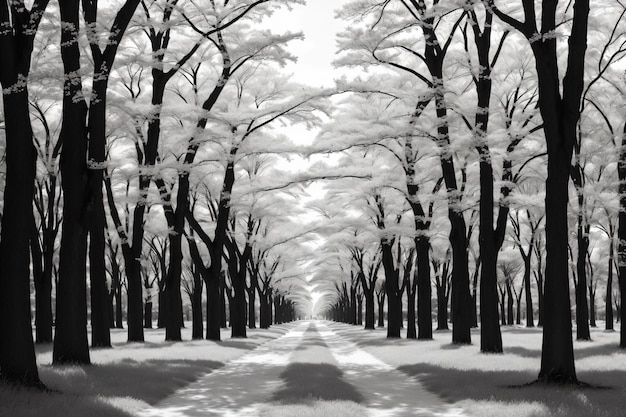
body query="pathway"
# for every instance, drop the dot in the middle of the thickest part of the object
(306, 368)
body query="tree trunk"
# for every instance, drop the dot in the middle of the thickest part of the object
(394, 297)
(134, 296)
(475, 296)
(17, 353)
(424, 289)
(100, 331)
(147, 315)
(70, 340)
(216, 310)
(557, 354)
(43, 292)
(442, 308)
(530, 322)
(161, 313)
(238, 308)
(608, 304)
(197, 327)
(510, 304)
(265, 308)
(592, 306)
(369, 309)
(172, 288)
(502, 308)
(251, 307)
(381, 309)
(411, 327)
(621, 239)
(582, 308)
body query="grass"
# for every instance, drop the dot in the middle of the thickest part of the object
(132, 376)
(488, 385)
(126, 379)
(314, 408)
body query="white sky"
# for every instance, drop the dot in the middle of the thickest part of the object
(316, 53)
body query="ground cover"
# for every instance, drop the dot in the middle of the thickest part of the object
(128, 378)
(486, 385)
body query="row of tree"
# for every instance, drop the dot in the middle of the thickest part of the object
(134, 123)
(482, 113)
(162, 119)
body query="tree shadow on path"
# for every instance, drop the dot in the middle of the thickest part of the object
(312, 381)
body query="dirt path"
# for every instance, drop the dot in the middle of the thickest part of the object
(310, 371)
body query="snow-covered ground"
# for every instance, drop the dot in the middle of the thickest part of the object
(309, 369)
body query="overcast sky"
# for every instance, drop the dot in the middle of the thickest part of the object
(316, 53)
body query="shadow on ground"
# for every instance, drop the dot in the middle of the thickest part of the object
(109, 390)
(315, 381)
(511, 387)
(149, 381)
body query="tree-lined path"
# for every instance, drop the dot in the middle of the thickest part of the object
(308, 367)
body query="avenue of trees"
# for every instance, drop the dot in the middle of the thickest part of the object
(472, 166)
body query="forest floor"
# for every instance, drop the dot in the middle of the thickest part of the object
(308, 369)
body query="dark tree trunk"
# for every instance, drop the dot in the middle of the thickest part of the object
(172, 288)
(100, 333)
(560, 114)
(369, 309)
(222, 301)
(621, 239)
(134, 295)
(161, 313)
(43, 292)
(216, 307)
(530, 322)
(582, 308)
(47, 252)
(197, 327)
(100, 330)
(518, 309)
(17, 353)
(557, 358)
(353, 306)
(510, 303)
(502, 308)
(251, 306)
(411, 327)
(442, 308)
(212, 284)
(592, 306)
(70, 340)
(271, 315)
(359, 309)
(117, 287)
(475, 295)
(265, 308)
(424, 289)
(147, 315)
(394, 297)
(238, 308)
(608, 304)
(381, 309)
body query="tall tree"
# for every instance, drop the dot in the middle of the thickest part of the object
(559, 104)
(18, 27)
(70, 339)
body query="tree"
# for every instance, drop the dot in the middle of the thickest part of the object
(17, 354)
(526, 254)
(559, 104)
(70, 339)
